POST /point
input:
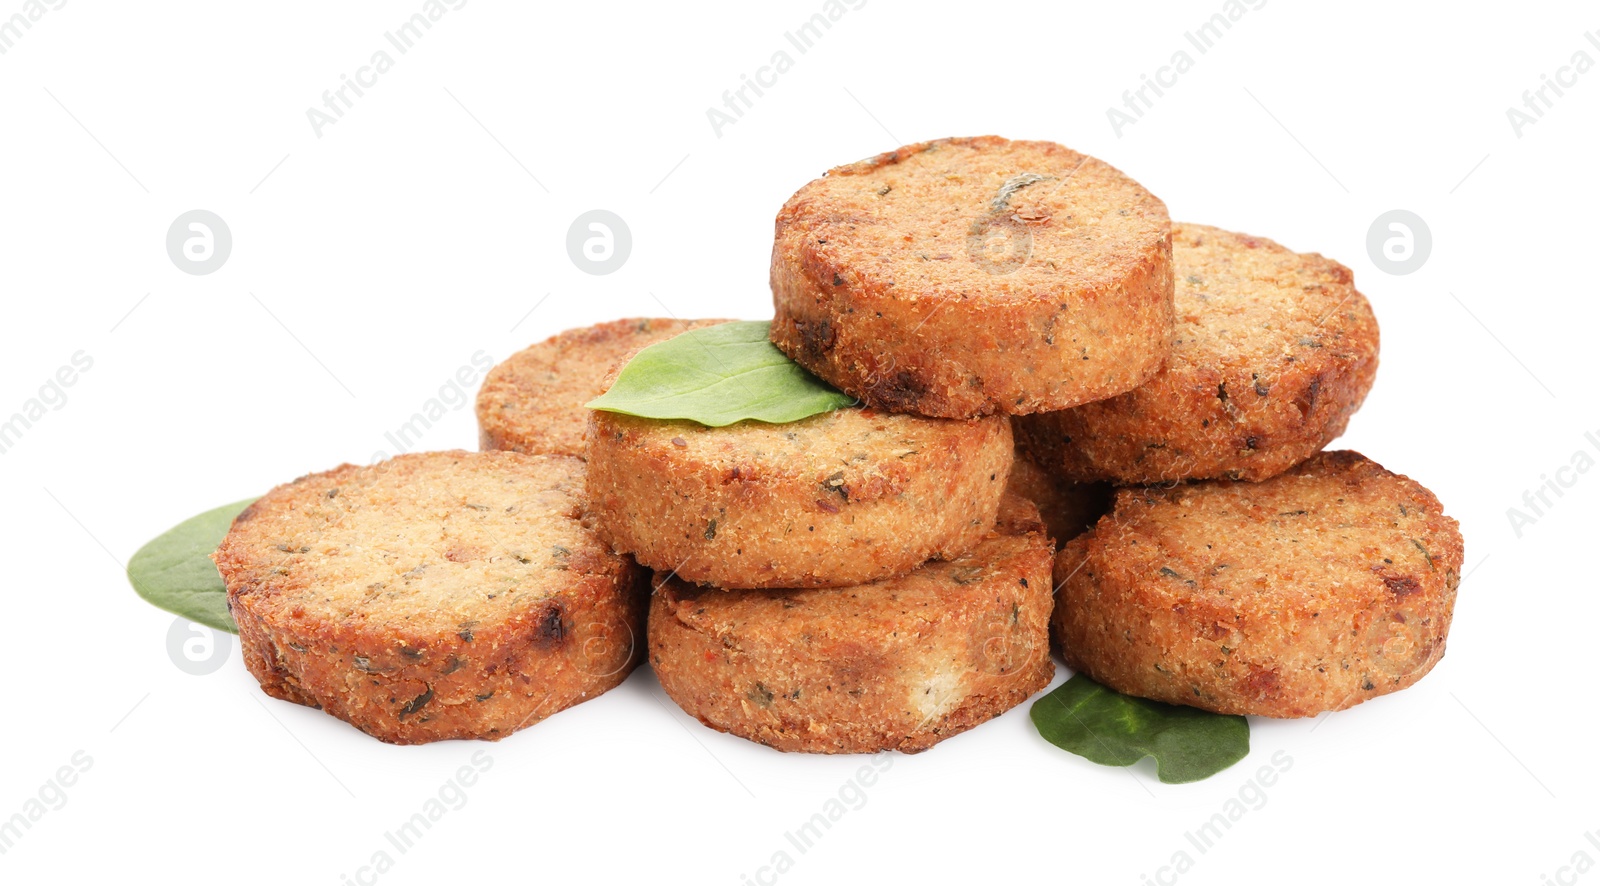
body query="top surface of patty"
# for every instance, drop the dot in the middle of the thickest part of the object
(905, 219)
(1244, 301)
(418, 544)
(534, 401)
(1335, 521)
(433, 596)
(1272, 352)
(1311, 591)
(970, 276)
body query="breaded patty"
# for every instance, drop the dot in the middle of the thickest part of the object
(1068, 509)
(840, 498)
(1313, 591)
(534, 401)
(972, 276)
(432, 596)
(1273, 352)
(899, 664)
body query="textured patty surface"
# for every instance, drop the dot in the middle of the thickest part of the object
(1069, 509)
(1273, 352)
(971, 276)
(534, 401)
(433, 596)
(839, 498)
(899, 664)
(1313, 591)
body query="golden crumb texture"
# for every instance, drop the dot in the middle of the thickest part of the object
(1323, 587)
(975, 276)
(840, 498)
(900, 664)
(1069, 509)
(1274, 350)
(434, 595)
(534, 401)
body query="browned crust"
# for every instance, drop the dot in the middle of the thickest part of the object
(1068, 509)
(533, 402)
(1313, 591)
(882, 287)
(1274, 351)
(837, 499)
(899, 665)
(401, 678)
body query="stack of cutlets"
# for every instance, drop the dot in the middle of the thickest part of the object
(1075, 422)
(851, 582)
(1155, 372)
(1180, 378)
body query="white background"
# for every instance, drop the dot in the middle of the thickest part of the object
(371, 263)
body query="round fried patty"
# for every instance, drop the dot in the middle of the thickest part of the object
(970, 276)
(432, 596)
(840, 498)
(534, 401)
(899, 664)
(1313, 591)
(1273, 352)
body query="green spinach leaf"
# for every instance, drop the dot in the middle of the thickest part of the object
(716, 376)
(1111, 729)
(174, 571)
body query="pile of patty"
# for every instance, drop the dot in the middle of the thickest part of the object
(840, 584)
(855, 581)
(1078, 426)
